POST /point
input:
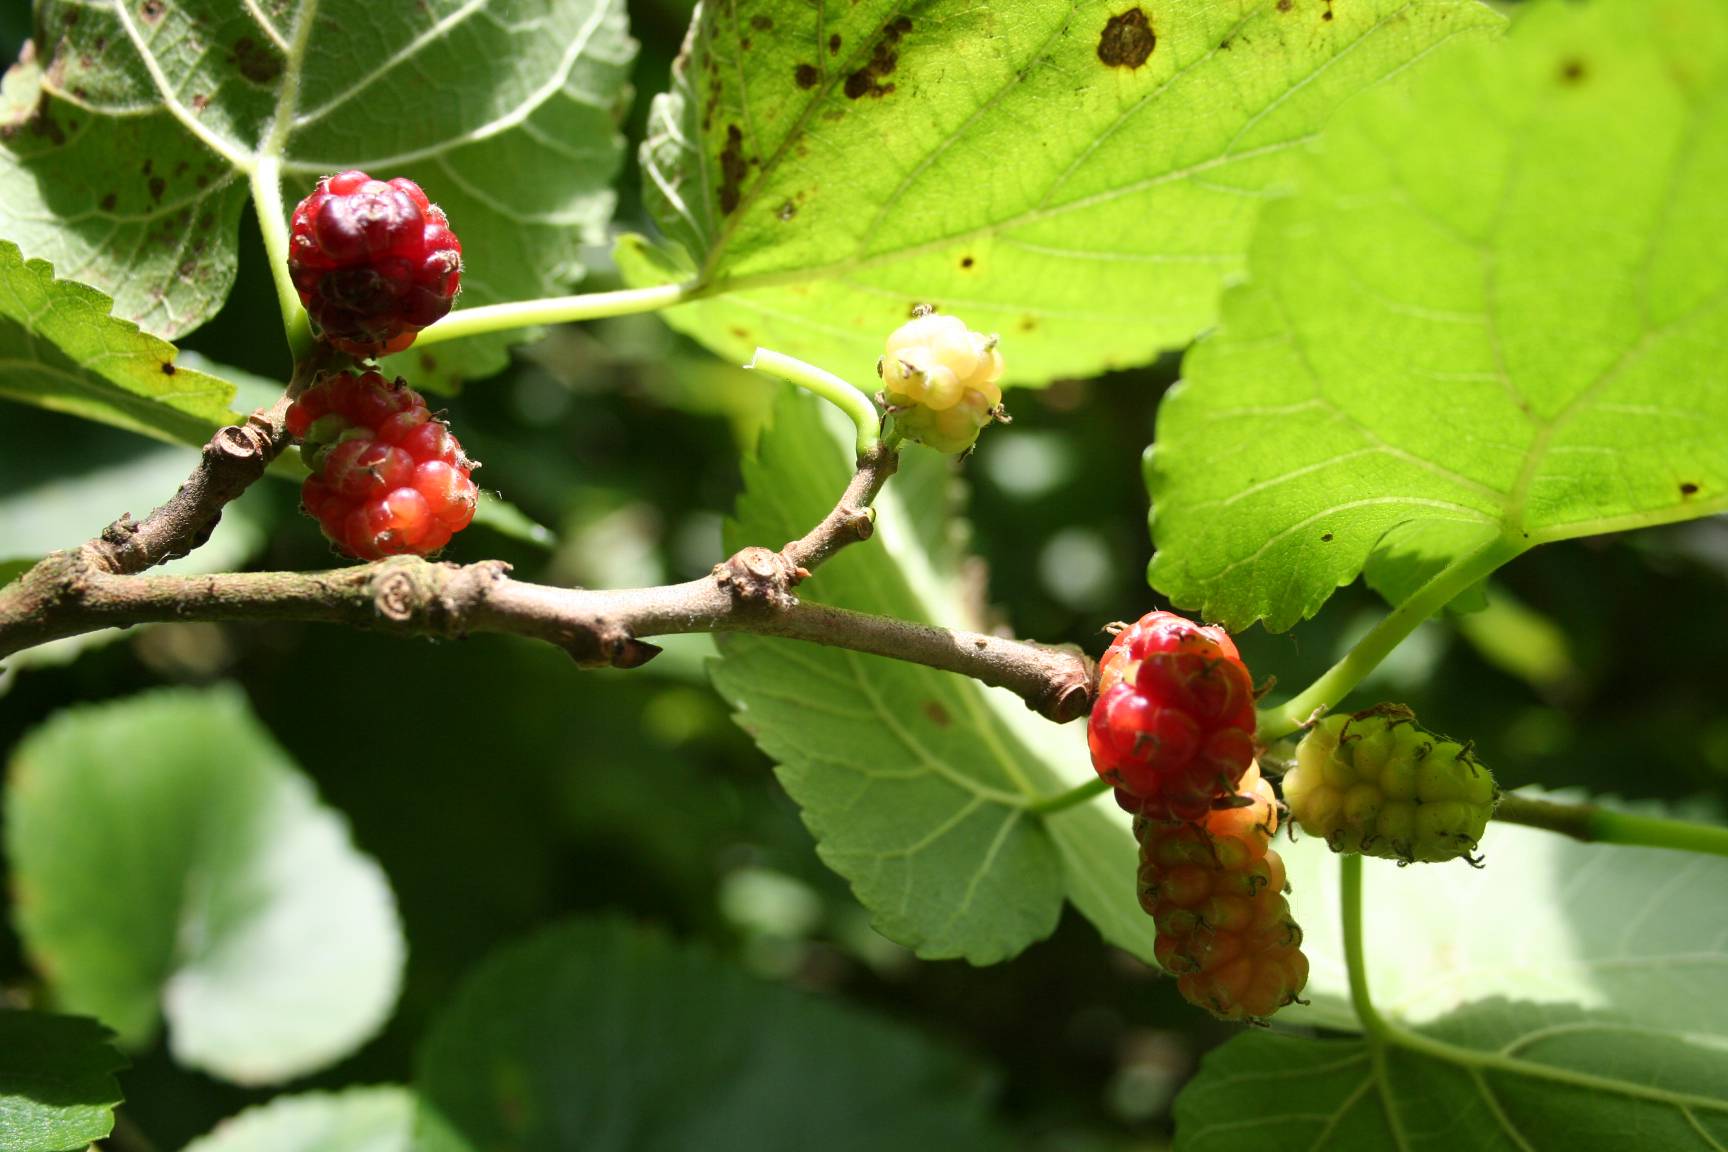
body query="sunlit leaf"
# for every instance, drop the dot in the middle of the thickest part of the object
(1081, 177)
(1500, 1076)
(1496, 310)
(62, 350)
(1634, 932)
(358, 1120)
(1563, 996)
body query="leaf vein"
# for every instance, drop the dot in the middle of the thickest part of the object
(237, 155)
(499, 124)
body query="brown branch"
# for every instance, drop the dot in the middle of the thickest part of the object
(64, 596)
(80, 590)
(852, 519)
(232, 461)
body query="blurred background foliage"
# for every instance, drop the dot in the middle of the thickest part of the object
(501, 788)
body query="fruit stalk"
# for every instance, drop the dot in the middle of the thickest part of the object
(1072, 798)
(266, 180)
(1337, 681)
(477, 321)
(1355, 954)
(1594, 824)
(837, 391)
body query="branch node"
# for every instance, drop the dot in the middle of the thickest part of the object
(758, 576)
(629, 652)
(238, 443)
(395, 595)
(1068, 702)
(120, 533)
(490, 571)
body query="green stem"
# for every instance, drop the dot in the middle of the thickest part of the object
(273, 223)
(1338, 680)
(1594, 824)
(1073, 798)
(840, 393)
(552, 310)
(1355, 956)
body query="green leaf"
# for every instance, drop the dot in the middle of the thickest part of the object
(1497, 310)
(60, 349)
(357, 1120)
(1081, 177)
(127, 145)
(601, 1036)
(169, 860)
(511, 522)
(915, 782)
(251, 390)
(1635, 932)
(1604, 1012)
(57, 1087)
(1500, 1076)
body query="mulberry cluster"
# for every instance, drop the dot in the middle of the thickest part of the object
(387, 479)
(1173, 730)
(1215, 890)
(374, 262)
(1173, 726)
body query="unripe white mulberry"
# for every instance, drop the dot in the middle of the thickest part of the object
(940, 381)
(1377, 783)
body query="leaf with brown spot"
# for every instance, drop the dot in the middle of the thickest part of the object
(1080, 153)
(517, 140)
(66, 352)
(1127, 40)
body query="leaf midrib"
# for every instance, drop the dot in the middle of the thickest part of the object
(401, 56)
(288, 95)
(264, 24)
(1514, 515)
